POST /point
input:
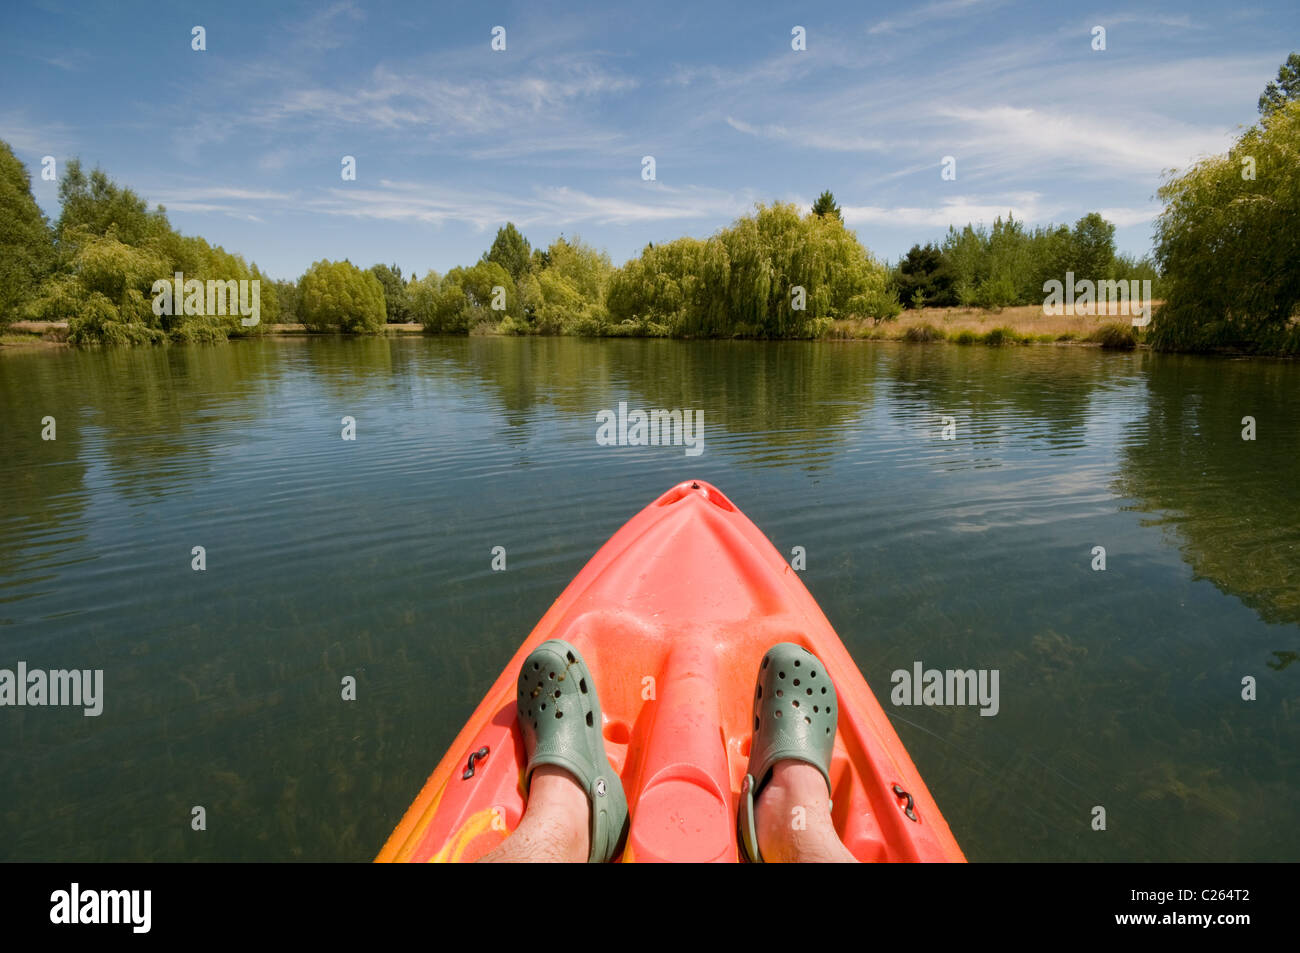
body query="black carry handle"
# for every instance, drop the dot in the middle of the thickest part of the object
(898, 790)
(479, 755)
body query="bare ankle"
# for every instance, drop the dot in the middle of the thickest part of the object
(793, 817)
(556, 826)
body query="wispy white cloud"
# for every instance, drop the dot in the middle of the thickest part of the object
(960, 210)
(1124, 217)
(943, 10)
(167, 195)
(1026, 135)
(230, 201)
(1181, 21)
(50, 137)
(812, 138)
(547, 206)
(327, 29)
(437, 204)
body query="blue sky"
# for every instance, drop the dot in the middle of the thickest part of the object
(242, 142)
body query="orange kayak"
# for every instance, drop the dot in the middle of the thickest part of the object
(673, 616)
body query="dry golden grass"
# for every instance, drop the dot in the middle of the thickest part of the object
(1026, 320)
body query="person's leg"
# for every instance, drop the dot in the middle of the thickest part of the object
(568, 770)
(793, 818)
(555, 827)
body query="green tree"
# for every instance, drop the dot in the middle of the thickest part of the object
(270, 299)
(751, 279)
(511, 251)
(1094, 247)
(967, 254)
(570, 291)
(26, 248)
(1228, 244)
(397, 304)
(825, 205)
(1007, 265)
(924, 270)
(422, 294)
(340, 296)
(464, 299)
(286, 292)
(1285, 89)
(106, 298)
(96, 203)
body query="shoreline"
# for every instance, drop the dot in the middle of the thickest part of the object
(1016, 326)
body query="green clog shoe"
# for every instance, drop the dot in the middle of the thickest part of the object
(560, 717)
(795, 712)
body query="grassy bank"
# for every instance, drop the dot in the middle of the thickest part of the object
(1017, 325)
(1020, 325)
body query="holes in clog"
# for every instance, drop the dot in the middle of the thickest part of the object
(796, 682)
(810, 691)
(582, 685)
(569, 656)
(589, 722)
(814, 709)
(756, 723)
(812, 674)
(796, 663)
(807, 719)
(557, 693)
(543, 708)
(551, 676)
(558, 713)
(779, 693)
(759, 693)
(537, 666)
(765, 661)
(780, 674)
(823, 689)
(778, 713)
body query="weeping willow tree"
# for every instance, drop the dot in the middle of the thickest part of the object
(773, 274)
(26, 246)
(339, 296)
(1229, 242)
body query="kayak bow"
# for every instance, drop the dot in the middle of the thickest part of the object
(673, 616)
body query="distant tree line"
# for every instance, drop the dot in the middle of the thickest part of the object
(1008, 264)
(1226, 263)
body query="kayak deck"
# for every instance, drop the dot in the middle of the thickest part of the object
(673, 616)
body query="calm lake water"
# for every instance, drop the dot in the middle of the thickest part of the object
(371, 558)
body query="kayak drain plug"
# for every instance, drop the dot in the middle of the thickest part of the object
(899, 792)
(479, 755)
